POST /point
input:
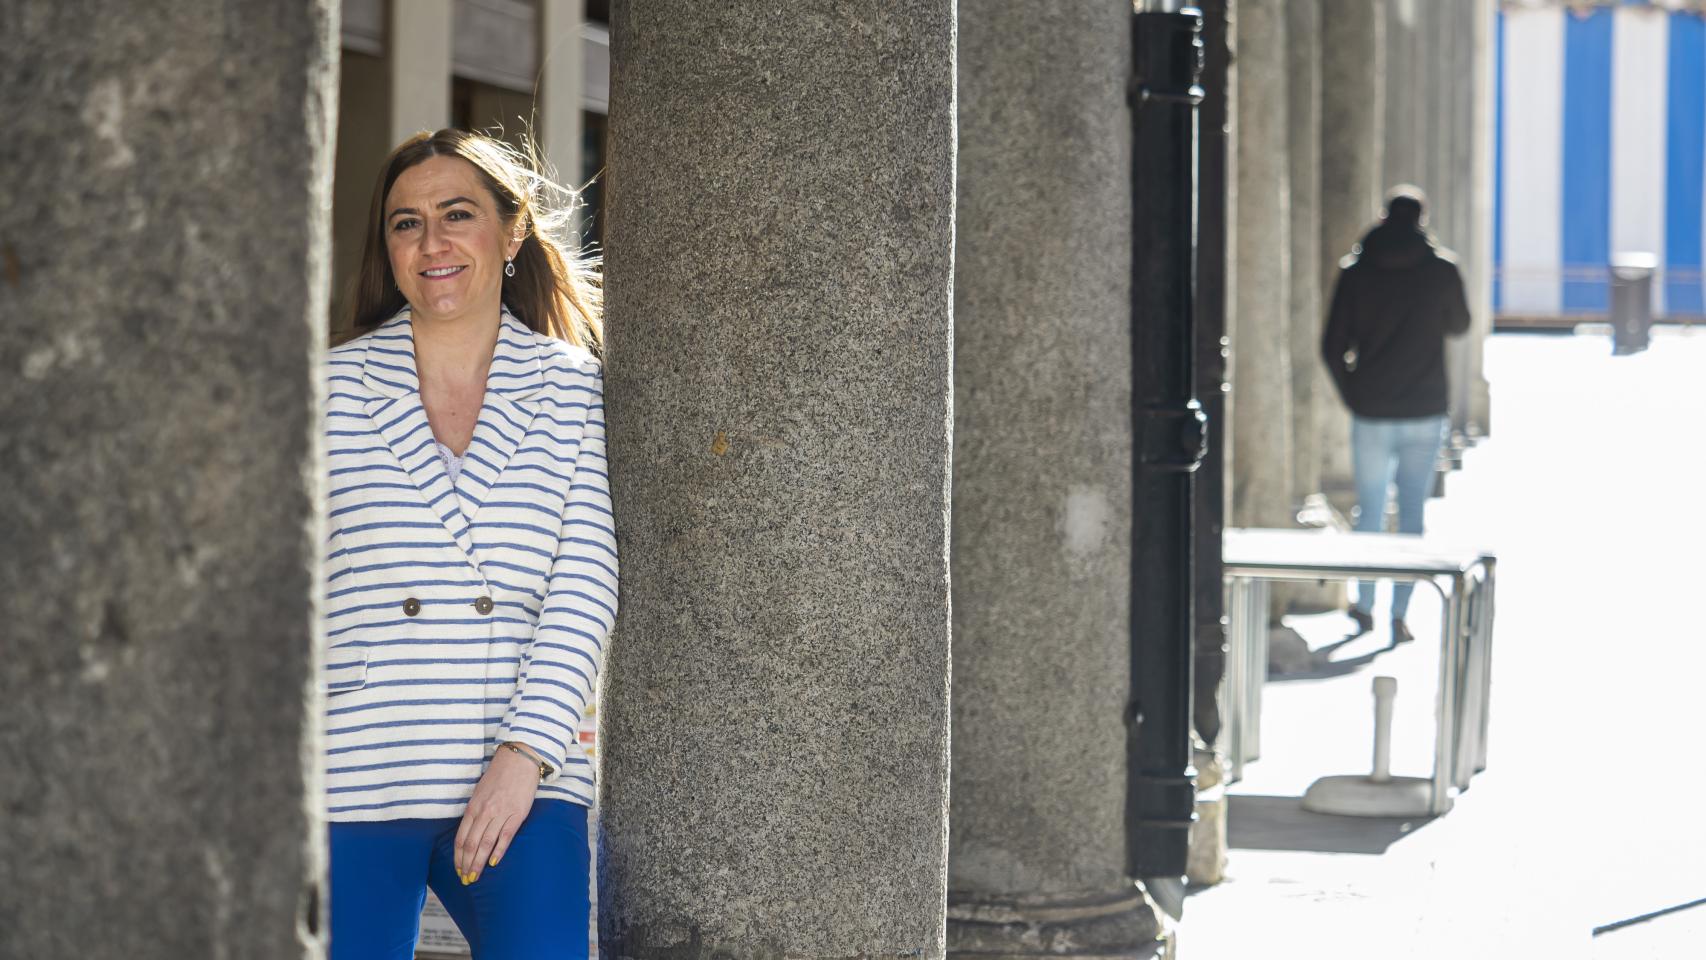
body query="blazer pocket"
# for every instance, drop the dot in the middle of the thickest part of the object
(346, 671)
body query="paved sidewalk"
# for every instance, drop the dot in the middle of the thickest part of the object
(1591, 491)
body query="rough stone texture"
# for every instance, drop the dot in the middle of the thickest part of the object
(1261, 338)
(164, 239)
(1206, 863)
(1311, 386)
(1478, 275)
(1352, 106)
(1042, 481)
(775, 721)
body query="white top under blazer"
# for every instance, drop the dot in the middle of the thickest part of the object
(462, 615)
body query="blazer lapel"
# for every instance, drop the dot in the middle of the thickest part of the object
(397, 413)
(512, 388)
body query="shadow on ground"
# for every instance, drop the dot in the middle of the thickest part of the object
(1281, 823)
(1318, 663)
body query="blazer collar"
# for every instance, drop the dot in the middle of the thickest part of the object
(517, 372)
(506, 414)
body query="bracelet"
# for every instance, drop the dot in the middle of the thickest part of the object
(544, 768)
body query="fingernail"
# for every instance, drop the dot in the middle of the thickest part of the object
(467, 879)
(493, 863)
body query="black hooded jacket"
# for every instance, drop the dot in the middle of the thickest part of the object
(1397, 299)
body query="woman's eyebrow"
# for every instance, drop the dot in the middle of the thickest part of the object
(442, 204)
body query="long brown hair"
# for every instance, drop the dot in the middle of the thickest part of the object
(555, 291)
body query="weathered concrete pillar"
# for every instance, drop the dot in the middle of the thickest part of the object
(1312, 393)
(1042, 486)
(417, 56)
(1451, 86)
(1352, 104)
(1478, 259)
(560, 86)
(775, 715)
(1262, 492)
(161, 328)
(1311, 386)
(1405, 128)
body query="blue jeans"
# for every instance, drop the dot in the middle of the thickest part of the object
(1382, 450)
(532, 906)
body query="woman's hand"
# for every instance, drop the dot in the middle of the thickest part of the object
(500, 803)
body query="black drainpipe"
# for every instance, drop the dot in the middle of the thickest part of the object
(1169, 436)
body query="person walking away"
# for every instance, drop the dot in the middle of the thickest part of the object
(1398, 296)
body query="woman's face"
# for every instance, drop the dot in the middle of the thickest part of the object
(447, 240)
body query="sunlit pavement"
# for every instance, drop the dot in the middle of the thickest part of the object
(1592, 490)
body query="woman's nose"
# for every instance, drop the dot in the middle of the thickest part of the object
(433, 238)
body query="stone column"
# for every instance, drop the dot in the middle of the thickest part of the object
(775, 711)
(1478, 259)
(1262, 492)
(417, 54)
(164, 325)
(560, 83)
(1042, 486)
(1352, 105)
(1311, 386)
(1406, 96)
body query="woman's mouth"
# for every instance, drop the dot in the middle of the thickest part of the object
(440, 273)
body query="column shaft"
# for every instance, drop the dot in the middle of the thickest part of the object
(560, 83)
(1042, 477)
(1352, 106)
(417, 54)
(164, 262)
(1261, 339)
(775, 715)
(1311, 386)
(1479, 257)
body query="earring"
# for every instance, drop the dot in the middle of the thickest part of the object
(509, 266)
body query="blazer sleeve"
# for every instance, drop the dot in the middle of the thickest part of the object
(560, 667)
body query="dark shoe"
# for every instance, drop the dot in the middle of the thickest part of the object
(1401, 633)
(1363, 620)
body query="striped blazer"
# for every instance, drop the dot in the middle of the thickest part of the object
(458, 617)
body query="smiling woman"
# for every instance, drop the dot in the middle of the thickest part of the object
(471, 568)
(549, 288)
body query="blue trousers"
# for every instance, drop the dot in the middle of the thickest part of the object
(532, 906)
(1383, 451)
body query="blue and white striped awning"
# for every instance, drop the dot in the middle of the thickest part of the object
(1601, 149)
(1581, 4)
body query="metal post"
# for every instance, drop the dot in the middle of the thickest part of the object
(1169, 440)
(1211, 638)
(1484, 633)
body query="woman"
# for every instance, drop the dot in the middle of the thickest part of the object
(471, 573)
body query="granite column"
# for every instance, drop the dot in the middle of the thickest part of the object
(164, 273)
(774, 720)
(1042, 486)
(1262, 492)
(1353, 99)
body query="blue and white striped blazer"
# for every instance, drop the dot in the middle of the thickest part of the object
(458, 617)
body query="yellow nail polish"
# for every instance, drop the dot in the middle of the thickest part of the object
(467, 878)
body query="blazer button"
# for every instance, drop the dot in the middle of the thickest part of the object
(411, 607)
(483, 605)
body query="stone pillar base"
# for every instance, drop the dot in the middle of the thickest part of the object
(1480, 409)
(1122, 925)
(1205, 864)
